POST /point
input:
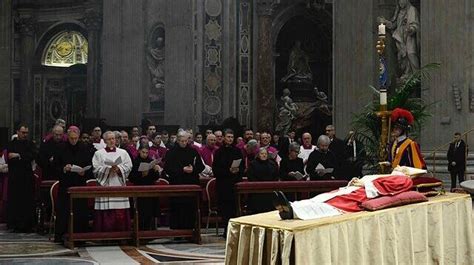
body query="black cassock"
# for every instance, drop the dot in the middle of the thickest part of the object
(327, 160)
(262, 170)
(78, 155)
(21, 201)
(183, 210)
(148, 208)
(47, 150)
(293, 165)
(225, 180)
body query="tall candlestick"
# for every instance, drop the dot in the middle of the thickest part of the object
(383, 97)
(381, 29)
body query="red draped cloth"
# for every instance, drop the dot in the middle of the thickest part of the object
(3, 191)
(387, 186)
(112, 220)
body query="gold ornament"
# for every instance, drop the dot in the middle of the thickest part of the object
(64, 48)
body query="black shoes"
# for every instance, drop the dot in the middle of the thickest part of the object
(281, 203)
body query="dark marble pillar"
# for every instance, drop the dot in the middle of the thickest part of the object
(93, 21)
(26, 27)
(5, 58)
(265, 106)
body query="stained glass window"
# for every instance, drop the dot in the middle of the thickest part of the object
(65, 49)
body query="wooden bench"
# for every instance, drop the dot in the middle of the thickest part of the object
(134, 192)
(252, 187)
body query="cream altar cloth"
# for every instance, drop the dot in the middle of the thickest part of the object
(435, 232)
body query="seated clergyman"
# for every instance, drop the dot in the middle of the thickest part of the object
(349, 198)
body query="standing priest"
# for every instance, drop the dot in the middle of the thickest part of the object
(227, 176)
(73, 160)
(21, 203)
(183, 164)
(111, 168)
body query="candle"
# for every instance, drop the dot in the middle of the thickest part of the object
(383, 97)
(381, 29)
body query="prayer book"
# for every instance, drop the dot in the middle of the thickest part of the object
(298, 175)
(146, 166)
(78, 169)
(236, 163)
(115, 162)
(320, 167)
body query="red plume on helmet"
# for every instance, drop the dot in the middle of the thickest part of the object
(402, 113)
(402, 118)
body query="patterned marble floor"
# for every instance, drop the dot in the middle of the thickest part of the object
(37, 249)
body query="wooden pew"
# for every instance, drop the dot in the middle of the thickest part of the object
(134, 192)
(252, 187)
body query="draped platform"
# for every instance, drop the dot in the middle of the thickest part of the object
(435, 232)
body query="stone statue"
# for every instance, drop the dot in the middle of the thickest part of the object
(283, 127)
(405, 26)
(156, 62)
(288, 104)
(322, 101)
(298, 66)
(288, 112)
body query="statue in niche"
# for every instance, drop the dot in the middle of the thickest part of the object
(288, 112)
(156, 63)
(322, 102)
(298, 66)
(288, 103)
(405, 26)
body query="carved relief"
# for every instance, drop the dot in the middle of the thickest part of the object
(213, 95)
(156, 66)
(244, 62)
(266, 7)
(457, 97)
(213, 30)
(471, 99)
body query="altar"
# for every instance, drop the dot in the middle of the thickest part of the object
(438, 231)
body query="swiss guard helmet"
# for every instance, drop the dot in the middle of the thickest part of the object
(402, 118)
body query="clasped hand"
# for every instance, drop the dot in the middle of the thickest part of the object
(188, 169)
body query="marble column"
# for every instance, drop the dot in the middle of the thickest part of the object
(265, 107)
(26, 26)
(93, 21)
(5, 58)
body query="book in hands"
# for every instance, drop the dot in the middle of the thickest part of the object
(236, 163)
(146, 166)
(298, 175)
(321, 168)
(113, 162)
(272, 155)
(78, 169)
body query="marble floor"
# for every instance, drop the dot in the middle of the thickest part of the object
(17, 248)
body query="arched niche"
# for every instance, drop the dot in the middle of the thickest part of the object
(155, 54)
(66, 48)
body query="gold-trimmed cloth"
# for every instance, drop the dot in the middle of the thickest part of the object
(435, 232)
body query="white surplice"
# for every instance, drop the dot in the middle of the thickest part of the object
(108, 179)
